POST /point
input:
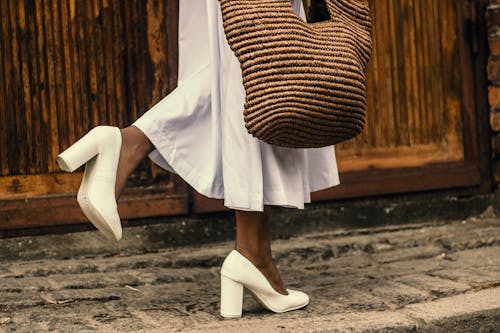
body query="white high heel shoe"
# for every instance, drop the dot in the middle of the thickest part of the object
(238, 272)
(100, 149)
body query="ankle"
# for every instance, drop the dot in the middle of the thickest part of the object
(265, 264)
(260, 257)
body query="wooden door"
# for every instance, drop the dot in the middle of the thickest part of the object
(427, 115)
(68, 65)
(65, 67)
(427, 120)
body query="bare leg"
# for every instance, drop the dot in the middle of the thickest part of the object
(253, 240)
(135, 147)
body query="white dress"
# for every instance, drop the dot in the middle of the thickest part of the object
(199, 133)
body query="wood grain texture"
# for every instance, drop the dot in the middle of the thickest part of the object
(65, 67)
(70, 65)
(413, 86)
(16, 214)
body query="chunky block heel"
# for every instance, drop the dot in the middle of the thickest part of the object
(80, 152)
(231, 298)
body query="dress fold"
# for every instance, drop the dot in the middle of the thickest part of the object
(199, 133)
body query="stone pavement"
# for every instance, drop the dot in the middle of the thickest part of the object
(426, 277)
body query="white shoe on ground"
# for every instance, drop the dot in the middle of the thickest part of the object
(238, 272)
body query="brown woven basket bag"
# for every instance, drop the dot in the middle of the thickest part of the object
(305, 83)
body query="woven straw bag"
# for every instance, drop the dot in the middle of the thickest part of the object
(305, 83)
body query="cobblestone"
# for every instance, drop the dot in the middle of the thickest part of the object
(420, 277)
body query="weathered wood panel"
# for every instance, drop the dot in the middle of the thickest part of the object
(43, 211)
(463, 115)
(67, 66)
(414, 89)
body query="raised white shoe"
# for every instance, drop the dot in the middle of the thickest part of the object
(100, 150)
(238, 272)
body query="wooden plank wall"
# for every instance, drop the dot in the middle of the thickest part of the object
(67, 66)
(414, 114)
(414, 98)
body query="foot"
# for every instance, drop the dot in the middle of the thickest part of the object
(267, 267)
(135, 147)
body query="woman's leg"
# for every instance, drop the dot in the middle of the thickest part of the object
(135, 147)
(253, 240)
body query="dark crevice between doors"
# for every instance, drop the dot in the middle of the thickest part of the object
(318, 12)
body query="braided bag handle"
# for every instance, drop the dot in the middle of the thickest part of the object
(305, 83)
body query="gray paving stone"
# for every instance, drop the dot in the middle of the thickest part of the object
(361, 280)
(435, 285)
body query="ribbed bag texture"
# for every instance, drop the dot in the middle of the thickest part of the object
(305, 83)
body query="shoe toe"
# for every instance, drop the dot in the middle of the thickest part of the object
(298, 298)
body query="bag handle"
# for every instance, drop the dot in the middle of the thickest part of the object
(353, 8)
(357, 11)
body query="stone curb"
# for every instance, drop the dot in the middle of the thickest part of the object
(439, 316)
